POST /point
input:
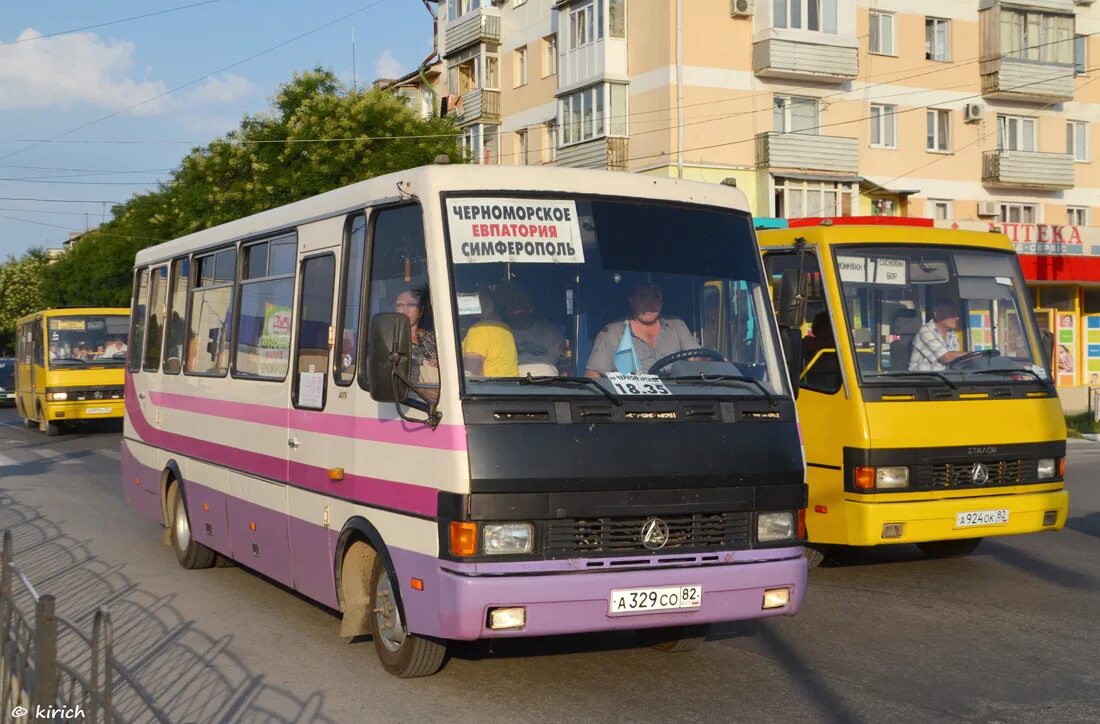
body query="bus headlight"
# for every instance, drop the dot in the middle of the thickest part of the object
(1048, 468)
(894, 477)
(775, 526)
(57, 396)
(507, 538)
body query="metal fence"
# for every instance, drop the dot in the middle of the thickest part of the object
(52, 671)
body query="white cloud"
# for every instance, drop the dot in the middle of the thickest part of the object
(388, 66)
(80, 69)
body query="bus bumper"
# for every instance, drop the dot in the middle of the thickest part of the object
(91, 410)
(932, 520)
(562, 602)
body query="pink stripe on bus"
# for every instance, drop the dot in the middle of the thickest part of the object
(398, 432)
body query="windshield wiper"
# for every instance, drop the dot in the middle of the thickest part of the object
(718, 379)
(552, 380)
(1025, 370)
(919, 373)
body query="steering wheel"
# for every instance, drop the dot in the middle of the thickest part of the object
(969, 357)
(686, 354)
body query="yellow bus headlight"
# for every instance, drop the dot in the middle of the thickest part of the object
(1048, 468)
(57, 396)
(890, 478)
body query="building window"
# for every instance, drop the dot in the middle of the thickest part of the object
(458, 8)
(941, 210)
(521, 147)
(1077, 216)
(884, 126)
(583, 28)
(882, 33)
(550, 55)
(1080, 54)
(616, 18)
(792, 114)
(937, 39)
(1015, 133)
(492, 73)
(939, 130)
(465, 76)
(520, 66)
(817, 15)
(1038, 37)
(583, 116)
(1019, 213)
(1077, 140)
(550, 152)
(796, 198)
(482, 143)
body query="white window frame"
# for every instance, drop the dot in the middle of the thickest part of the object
(622, 16)
(1081, 55)
(597, 116)
(521, 137)
(813, 193)
(550, 55)
(936, 205)
(884, 125)
(796, 15)
(880, 42)
(553, 136)
(787, 103)
(1005, 212)
(1083, 154)
(584, 17)
(1037, 37)
(936, 144)
(1077, 215)
(489, 79)
(1025, 129)
(520, 66)
(931, 44)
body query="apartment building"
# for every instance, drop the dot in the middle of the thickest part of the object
(971, 112)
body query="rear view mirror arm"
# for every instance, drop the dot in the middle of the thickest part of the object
(434, 416)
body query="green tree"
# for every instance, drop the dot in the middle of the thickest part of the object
(19, 293)
(272, 159)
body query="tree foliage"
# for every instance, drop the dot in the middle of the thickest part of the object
(19, 292)
(272, 159)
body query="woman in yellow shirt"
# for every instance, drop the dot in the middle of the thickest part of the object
(489, 347)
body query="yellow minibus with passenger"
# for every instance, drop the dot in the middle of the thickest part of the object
(928, 410)
(70, 366)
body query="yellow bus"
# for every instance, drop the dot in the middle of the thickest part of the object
(928, 410)
(70, 366)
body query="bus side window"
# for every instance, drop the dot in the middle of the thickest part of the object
(175, 323)
(314, 322)
(37, 343)
(209, 314)
(265, 310)
(399, 283)
(350, 295)
(154, 333)
(137, 319)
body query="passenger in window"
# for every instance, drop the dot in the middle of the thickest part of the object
(821, 337)
(540, 345)
(489, 348)
(937, 344)
(645, 333)
(115, 346)
(416, 306)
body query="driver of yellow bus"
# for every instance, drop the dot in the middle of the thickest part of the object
(652, 335)
(937, 343)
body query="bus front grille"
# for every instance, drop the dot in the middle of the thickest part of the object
(974, 474)
(690, 532)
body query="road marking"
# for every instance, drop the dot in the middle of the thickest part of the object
(5, 460)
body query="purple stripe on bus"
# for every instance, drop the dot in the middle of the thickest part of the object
(259, 538)
(398, 432)
(140, 486)
(207, 506)
(312, 548)
(405, 497)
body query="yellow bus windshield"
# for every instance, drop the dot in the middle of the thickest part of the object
(86, 341)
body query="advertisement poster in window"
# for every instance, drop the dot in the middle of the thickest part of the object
(1092, 349)
(1066, 348)
(275, 341)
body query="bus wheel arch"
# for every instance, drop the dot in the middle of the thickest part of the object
(190, 553)
(358, 546)
(169, 476)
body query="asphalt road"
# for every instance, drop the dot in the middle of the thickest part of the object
(1007, 634)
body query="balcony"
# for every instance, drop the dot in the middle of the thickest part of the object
(1027, 169)
(607, 153)
(479, 105)
(475, 27)
(801, 151)
(801, 60)
(1018, 80)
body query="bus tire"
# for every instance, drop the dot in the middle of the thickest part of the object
(29, 423)
(676, 639)
(190, 554)
(949, 548)
(402, 654)
(48, 427)
(814, 555)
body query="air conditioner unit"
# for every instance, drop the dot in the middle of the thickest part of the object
(972, 112)
(987, 208)
(741, 8)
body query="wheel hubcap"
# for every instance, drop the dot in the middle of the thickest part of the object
(386, 616)
(183, 530)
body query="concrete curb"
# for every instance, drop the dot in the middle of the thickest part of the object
(1094, 437)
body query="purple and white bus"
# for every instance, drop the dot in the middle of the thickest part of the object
(464, 402)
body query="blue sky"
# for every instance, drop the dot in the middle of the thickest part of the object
(51, 85)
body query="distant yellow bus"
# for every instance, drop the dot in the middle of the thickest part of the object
(70, 366)
(928, 410)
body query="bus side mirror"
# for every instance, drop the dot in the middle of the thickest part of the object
(1046, 338)
(791, 339)
(388, 362)
(791, 308)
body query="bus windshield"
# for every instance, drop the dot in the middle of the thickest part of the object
(635, 297)
(88, 341)
(938, 313)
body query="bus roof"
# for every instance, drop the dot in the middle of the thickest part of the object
(837, 235)
(75, 312)
(428, 181)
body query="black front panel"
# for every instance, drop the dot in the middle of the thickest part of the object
(609, 536)
(956, 468)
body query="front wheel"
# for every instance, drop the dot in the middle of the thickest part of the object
(676, 639)
(403, 654)
(48, 427)
(814, 555)
(189, 553)
(949, 548)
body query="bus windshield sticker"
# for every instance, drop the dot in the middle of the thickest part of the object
(873, 270)
(1006, 281)
(519, 231)
(637, 384)
(69, 325)
(311, 389)
(469, 303)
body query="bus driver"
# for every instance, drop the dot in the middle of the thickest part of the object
(653, 336)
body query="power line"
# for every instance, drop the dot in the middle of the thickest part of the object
(61, 201)
(80, 183)
(90, 171)
(114, 22)
(46, 211)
